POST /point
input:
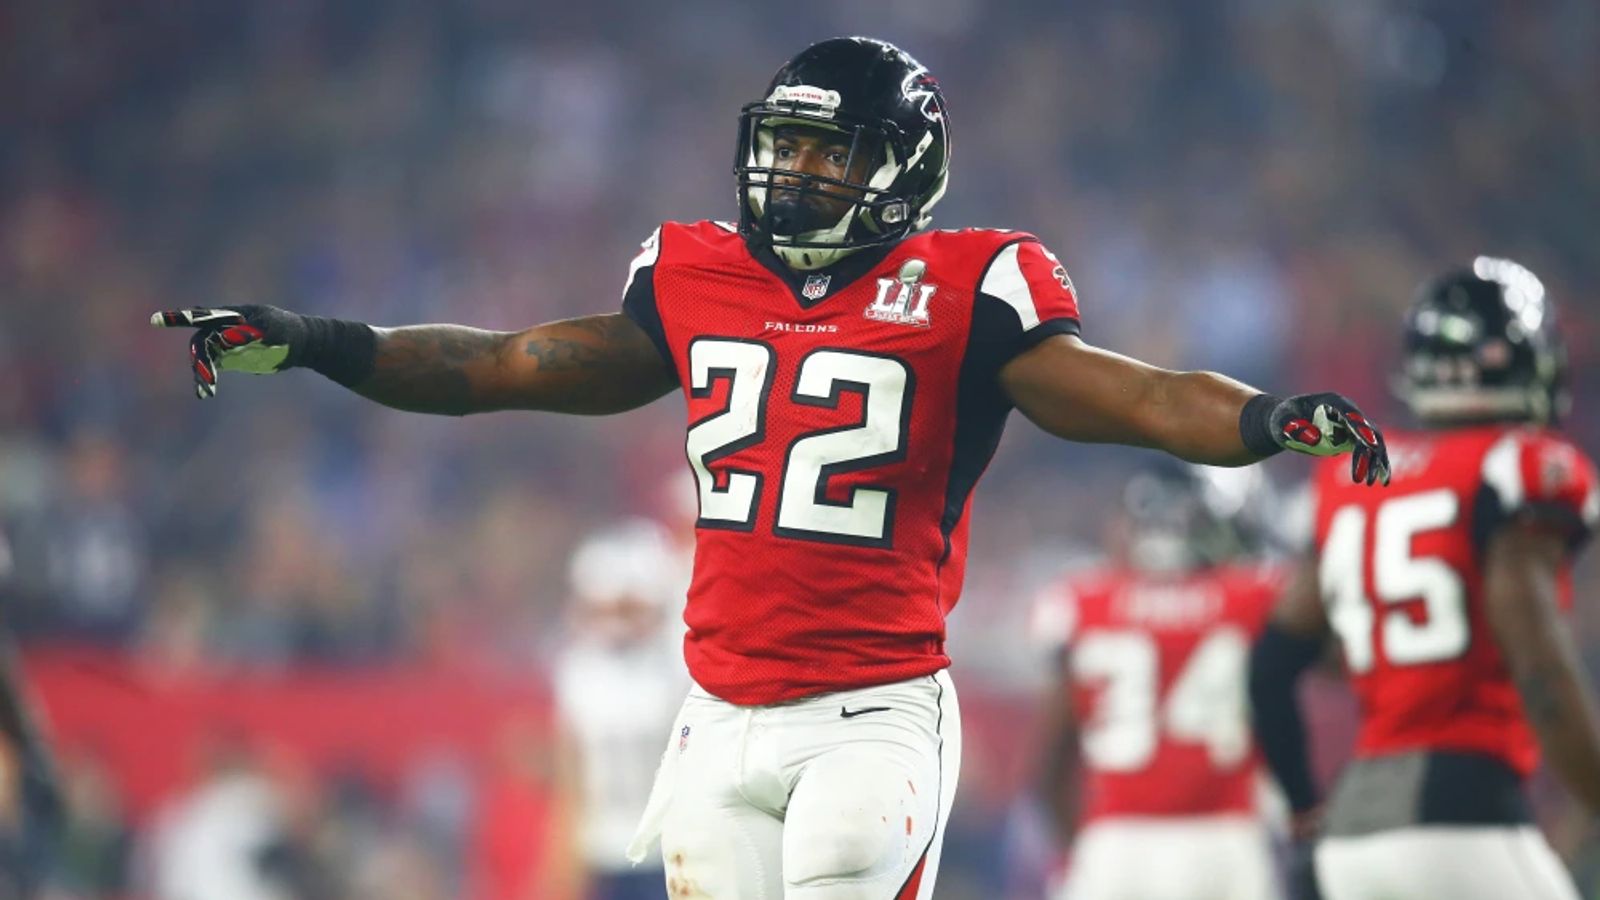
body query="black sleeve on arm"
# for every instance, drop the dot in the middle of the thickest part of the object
(1276, 662)
(997, 334)
(1489, 515)
(1027, 339)
(342, 351)
(639, 296)
(1255, 425)
(639, 305)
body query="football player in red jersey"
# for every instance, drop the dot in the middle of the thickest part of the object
(1150, 704)
(847, 371)
(1445, 593)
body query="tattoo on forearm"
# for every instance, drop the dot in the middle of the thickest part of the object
(554, 353)
(596, 365)
(563, 354)
(604, 364)
(424, 368)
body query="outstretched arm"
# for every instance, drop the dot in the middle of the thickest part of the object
(1520, 576)
(1083, 393)
(593, 366)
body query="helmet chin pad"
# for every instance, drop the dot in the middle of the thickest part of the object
(809, 258)
(1465, 404)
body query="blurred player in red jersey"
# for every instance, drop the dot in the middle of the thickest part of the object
(1150, 706)
(1445, 593)
(847, 370)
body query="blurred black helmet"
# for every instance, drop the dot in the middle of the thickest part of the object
(1184, 517)
(889, 107)
(1481, 345)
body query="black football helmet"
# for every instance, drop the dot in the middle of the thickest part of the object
(1481, 345)
(889, 107)
(1184, 517)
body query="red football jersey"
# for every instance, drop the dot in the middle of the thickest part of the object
(1158, 672)
(838, 421)
(1399, 574)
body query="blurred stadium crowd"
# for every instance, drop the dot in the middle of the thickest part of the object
(1223, 180)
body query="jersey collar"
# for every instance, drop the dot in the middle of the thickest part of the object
(840, 275)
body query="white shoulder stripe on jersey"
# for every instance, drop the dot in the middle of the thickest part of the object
(648, 254)
(1502, 470)
(1006, 281)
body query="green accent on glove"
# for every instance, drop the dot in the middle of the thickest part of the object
(1336, 437)
(255, 358)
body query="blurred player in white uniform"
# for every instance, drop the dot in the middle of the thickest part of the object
(1148, 754)
(619, 682)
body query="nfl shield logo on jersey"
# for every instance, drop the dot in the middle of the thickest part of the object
(904, 298)
(816, 287)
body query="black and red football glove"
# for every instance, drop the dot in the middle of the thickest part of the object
(255, 339)
(1328, 425)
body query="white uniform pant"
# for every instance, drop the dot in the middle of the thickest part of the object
(1190, 858)
(1429, 861)
(842, 796)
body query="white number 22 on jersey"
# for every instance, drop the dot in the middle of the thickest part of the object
(1442, 631)
(1205, 704)
(885, 384)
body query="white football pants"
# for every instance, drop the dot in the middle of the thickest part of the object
(842, 796)
(1189, 858)
(1428, 861)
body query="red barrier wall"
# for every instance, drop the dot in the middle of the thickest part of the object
(151, 725)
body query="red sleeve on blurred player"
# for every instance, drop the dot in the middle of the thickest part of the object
(1538, 475)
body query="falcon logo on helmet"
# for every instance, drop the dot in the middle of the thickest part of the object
(922, 89)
